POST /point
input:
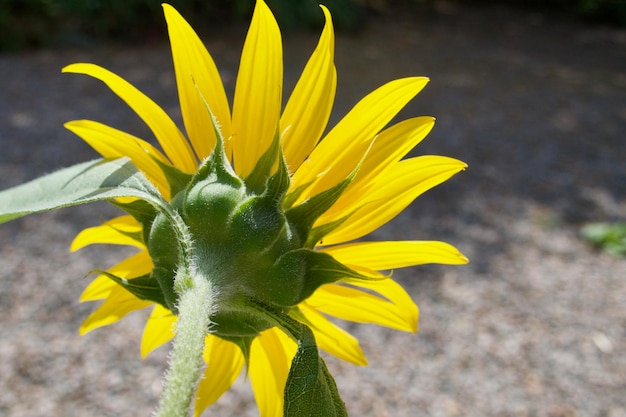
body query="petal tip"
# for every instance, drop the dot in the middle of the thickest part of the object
(68, 68)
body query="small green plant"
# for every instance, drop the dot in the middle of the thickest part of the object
(610, 237)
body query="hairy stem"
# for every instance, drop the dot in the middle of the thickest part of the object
(195, 302)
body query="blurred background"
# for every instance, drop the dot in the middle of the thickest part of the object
(44, 23)
(531, 94)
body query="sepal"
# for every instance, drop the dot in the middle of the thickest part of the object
(294, 195)
(216, 168)
(144, 287)
(304, 215)
(176, 179)
(165, 252)
(298, 273)
(278, 183)
(255, 181)
(217, 164)
(141, 211)
(317, 234)
(243, 343)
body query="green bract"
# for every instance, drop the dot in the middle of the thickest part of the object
(248, 241)
(242, 256)
(245, 243)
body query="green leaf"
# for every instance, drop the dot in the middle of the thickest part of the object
(83, 183)
(311, 390)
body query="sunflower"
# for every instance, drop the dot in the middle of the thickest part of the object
(336, 189)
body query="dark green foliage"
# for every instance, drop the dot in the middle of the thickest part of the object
(609, 11)
(41, 23)
(28, 24)
(599, 11)
(37, 23)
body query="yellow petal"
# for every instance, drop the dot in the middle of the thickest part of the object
(197, 79)
(171, 139)
(270, 359)
(353, 304)
(346, 144)
(114, 232)
(390, 146)
(397, 295)
(334, 339)
(391, 193)
(159, 329)
(224, 363)
(134, 266)
(308, 109)
(98, 289)
(400, 254)
(112, 143)
(118, 303)
(258, 92)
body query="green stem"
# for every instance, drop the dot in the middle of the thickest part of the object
(194, 307)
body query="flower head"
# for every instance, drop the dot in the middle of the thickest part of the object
(274, 207)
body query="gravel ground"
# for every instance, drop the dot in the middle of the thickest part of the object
(535, 325)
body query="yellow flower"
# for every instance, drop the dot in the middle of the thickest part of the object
(360, 147)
